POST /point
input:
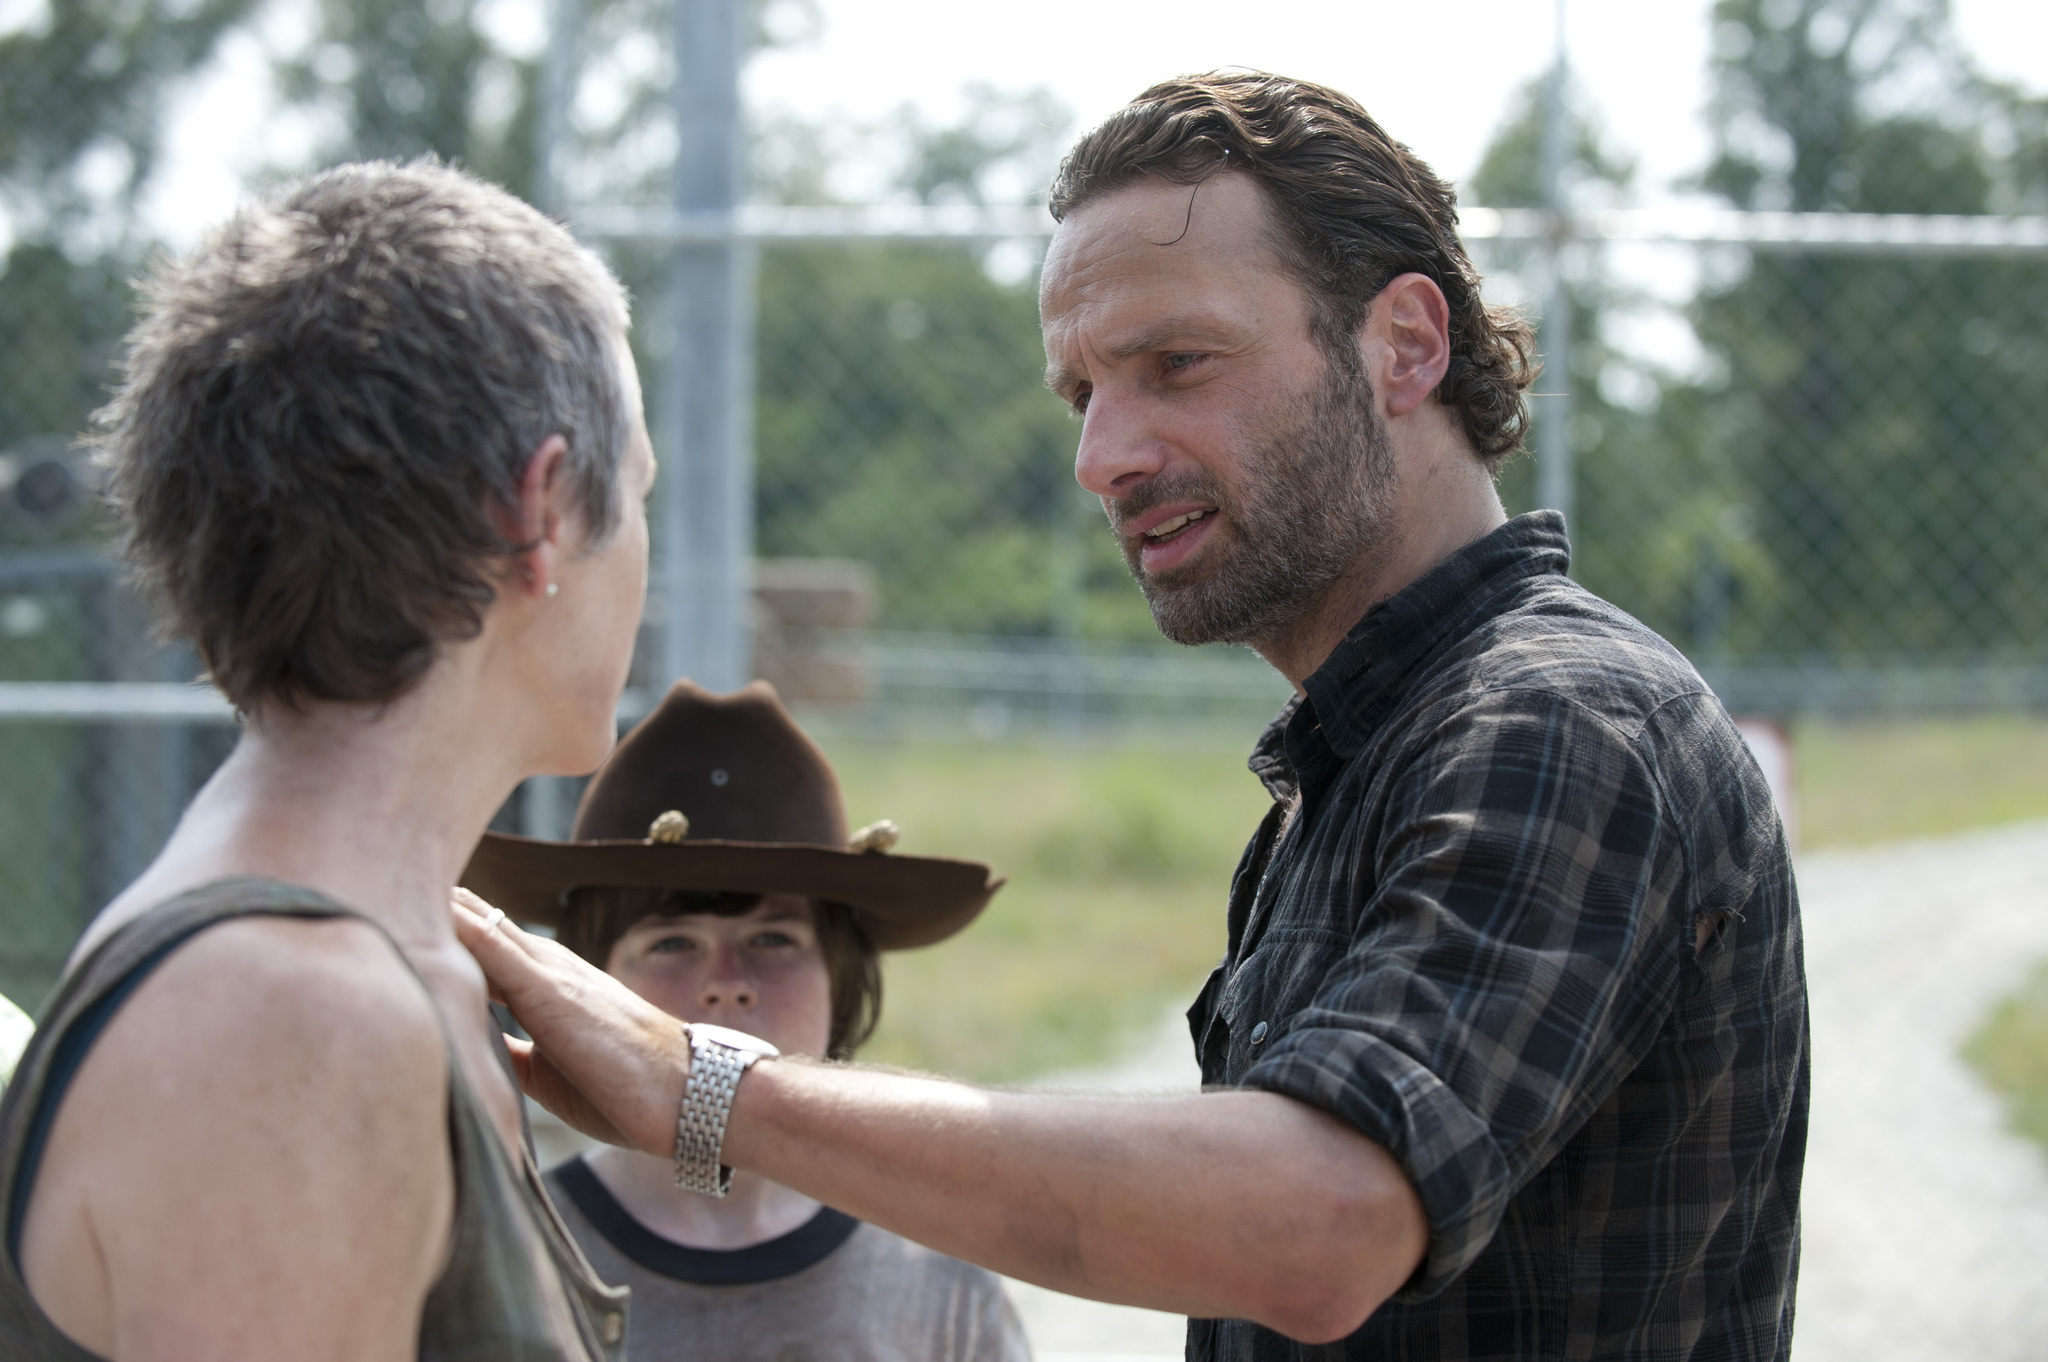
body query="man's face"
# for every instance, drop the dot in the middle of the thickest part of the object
(1243, 472)
(762, 972)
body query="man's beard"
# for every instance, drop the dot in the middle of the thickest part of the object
(1315, 504)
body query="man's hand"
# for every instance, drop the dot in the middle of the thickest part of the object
(604, 1059)
(1237, 1205)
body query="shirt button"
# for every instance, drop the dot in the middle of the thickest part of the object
(1259, 1033)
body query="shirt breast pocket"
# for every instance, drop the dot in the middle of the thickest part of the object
(1269, 989)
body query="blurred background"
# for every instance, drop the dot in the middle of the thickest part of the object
(1790, 260)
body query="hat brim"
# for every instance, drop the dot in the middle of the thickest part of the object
(904, 901)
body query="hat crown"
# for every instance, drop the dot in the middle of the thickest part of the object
(735, 766)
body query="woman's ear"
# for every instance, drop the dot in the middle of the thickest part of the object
(537, 522)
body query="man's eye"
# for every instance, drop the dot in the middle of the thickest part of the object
(1081, 397)
(1181, 361)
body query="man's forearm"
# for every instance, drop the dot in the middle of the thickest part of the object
(1243, 1205)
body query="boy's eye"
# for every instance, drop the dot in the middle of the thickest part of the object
(669, 944)
(771, 939)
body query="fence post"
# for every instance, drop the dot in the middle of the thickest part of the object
(559, 67)
(707, 500)
(1554, 420)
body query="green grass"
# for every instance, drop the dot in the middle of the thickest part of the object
(2010, 1051)
(1119, 864)
(1861, 784)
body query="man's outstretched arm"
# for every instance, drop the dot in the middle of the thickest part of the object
(1232, 1204)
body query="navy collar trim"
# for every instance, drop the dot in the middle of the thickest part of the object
(805, 1246)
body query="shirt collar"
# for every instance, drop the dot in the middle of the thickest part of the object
(1362, 679)
(1358, 685)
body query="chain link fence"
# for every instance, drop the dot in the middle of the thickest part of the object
(1806, 432)
(1840, 507)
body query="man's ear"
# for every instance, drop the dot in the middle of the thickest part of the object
(1408, 336)
(537, 521)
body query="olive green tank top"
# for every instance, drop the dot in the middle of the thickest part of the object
(516, 1287)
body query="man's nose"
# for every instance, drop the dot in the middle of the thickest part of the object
(1119, 448)
(728, 984)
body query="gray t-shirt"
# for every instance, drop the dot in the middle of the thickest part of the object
(832, 1290)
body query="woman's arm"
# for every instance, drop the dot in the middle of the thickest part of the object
(253, 1163)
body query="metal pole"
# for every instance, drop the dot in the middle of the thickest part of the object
(544, 807)
(708, 499)
(1553, 425)
(558, 69)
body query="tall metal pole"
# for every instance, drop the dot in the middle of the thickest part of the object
(558, 70)
(708, 497)
(545, 804)
(1554, 416)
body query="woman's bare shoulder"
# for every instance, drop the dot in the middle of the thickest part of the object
(277, 1088)
(280, 1019)
(291, 975)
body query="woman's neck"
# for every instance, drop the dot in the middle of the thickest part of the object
(755, 1211)
(378, 807)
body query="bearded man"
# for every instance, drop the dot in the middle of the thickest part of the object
(1506, 1057)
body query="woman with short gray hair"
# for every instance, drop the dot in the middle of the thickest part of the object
(379, 457)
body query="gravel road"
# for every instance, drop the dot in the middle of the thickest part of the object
(1926, 1223)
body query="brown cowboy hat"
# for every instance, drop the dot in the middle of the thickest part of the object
(725, 792)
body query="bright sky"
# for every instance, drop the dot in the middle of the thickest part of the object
(1097, 54)
(1642, 61)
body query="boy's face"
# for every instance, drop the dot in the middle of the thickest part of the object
(761, 971)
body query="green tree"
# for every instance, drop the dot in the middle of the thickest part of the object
(408, 77)
(1885, 410)
(83, 88)
(83, 85)
(1659, 523)
(900, 420)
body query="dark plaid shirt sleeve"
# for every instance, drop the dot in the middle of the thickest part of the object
(1516, 952)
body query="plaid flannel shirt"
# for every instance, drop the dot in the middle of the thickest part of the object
(1505, 812)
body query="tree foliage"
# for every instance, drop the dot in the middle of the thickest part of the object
(900, 418)
(82, 89)
(1884, 411)
(1858, 466)
(408, 77)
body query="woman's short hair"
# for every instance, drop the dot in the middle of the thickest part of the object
(597, 916)
(324, 405)
(1355, 208)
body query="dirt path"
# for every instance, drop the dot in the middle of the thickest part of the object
(1926, 1223)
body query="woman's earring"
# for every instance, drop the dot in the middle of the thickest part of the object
(554, 589)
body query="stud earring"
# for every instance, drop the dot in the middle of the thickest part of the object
(554, 589)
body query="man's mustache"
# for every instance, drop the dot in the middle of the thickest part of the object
(1188, 487)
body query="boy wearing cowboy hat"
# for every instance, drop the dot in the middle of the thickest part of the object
(712, 872)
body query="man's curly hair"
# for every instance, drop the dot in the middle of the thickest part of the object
(1356, 209)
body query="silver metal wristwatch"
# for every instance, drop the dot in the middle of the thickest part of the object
(718, 1056)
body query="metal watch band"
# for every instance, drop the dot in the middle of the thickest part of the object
(708, 1091)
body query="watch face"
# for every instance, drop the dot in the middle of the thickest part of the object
(731, 1039)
